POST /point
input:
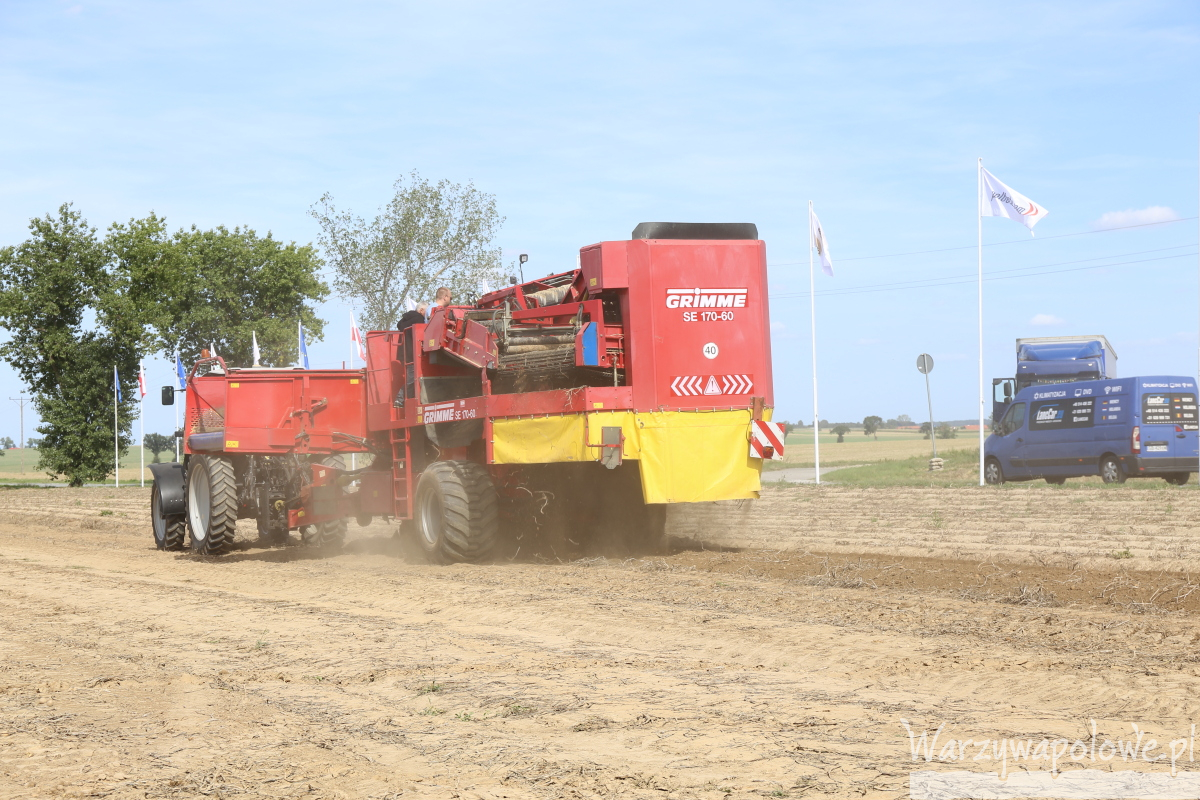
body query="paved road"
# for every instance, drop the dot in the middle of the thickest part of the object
(796, 474)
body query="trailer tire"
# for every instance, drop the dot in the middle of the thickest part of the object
(992, 472)
(329, 535)
(170, 532)
(212, 505)
(1110, 470)
(457, 512)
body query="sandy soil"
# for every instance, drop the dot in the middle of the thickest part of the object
(784, 669)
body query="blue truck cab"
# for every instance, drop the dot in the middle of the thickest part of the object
(1116, 428)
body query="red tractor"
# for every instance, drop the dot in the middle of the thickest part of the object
(569, 407)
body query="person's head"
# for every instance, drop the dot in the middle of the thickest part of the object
(422, 308)
(442, 296)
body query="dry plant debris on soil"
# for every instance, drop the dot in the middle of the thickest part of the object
(770, 651)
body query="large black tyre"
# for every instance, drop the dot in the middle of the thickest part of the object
(1056, 481)
(169, 532)
(992, 472)
(1178, 478)
(212, 504)
(1110, 470)
(327, 535)
(456, 512)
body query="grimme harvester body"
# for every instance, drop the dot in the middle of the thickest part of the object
(572, 406)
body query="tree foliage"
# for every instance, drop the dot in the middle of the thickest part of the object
(428, 235)
(158, 443)
(77, 305)
(222, 287)
(841, 429)
(871, 426)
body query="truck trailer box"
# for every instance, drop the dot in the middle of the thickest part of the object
(1127, 427)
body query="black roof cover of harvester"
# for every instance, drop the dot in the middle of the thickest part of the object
(695, 230)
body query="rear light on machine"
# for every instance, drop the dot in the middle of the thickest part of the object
(768, 452)
(1135, 439)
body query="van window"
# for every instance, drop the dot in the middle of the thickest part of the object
(1050, 415)
(1013, 420)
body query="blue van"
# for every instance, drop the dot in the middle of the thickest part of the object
(1117, 429)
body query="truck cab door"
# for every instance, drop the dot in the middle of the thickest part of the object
(1009, 446)
(1003, 392)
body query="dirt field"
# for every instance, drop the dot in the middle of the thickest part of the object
(780, 669)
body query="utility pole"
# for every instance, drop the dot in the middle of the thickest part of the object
(21, 401)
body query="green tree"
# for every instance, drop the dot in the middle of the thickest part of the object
(841, 429)
(427, 236)
(7, 443)
(221, 287)
(947, 431)
(871, 425)
(925, 428)
(78, 305)
(157, 443)
(70, 325)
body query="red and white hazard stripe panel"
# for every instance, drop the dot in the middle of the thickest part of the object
(693, 385)
(766, 440)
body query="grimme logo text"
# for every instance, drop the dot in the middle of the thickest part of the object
(706, 298)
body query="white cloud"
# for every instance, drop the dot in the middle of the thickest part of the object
(1046, 320)
(1144, 216)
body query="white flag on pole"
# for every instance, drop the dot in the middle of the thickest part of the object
(356, 337)
(142, 379)
(818, 236)
(1001, 201)
(409, 304)
(254, 344)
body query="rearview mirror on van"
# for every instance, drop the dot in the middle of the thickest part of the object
(168, 395)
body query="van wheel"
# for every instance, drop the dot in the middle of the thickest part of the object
(1178, 478)
(992, 473)
(1110, 470)
(1056, 481)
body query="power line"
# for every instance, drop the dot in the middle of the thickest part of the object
(972, 279)
(924, 282)
(994, 244)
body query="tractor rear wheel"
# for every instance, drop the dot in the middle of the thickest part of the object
(329, 535)
(169, 532)
(212, 504)
(456, 511)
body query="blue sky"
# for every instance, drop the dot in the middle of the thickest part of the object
(585, 120)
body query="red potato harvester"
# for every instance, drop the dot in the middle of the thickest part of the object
(581, 402)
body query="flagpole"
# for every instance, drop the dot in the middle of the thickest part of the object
(116, 434)
(979, 248)
(141, 426)
(812, 305)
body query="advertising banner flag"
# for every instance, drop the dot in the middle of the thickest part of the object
(254, 344)
(303, 346)
(117, 385)
(356, 338)
(999, 200)
(180, 375)
(818, 238)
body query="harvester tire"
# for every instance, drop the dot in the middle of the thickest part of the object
(212, 504)
(329, 535)
(170, 532)
(457, 512)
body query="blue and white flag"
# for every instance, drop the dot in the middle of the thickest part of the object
(180, 375)
(117, 384)
(303, 346)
